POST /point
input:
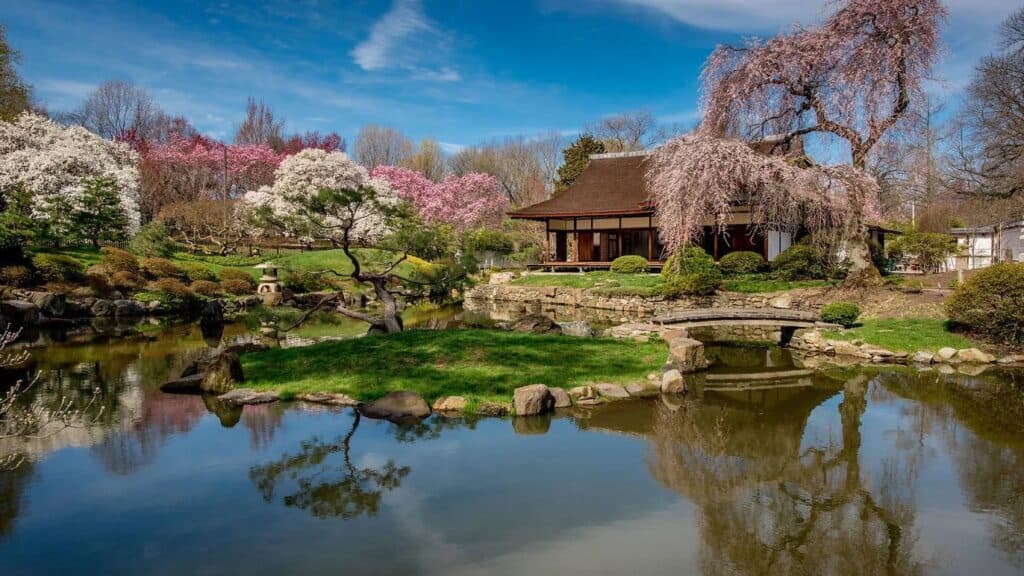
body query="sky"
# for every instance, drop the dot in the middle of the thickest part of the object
(458, 71)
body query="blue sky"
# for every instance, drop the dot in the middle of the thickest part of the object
(458, 71)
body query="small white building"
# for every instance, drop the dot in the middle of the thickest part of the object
(981, 246)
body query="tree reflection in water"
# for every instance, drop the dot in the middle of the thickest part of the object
(771, 506)
(325, 487)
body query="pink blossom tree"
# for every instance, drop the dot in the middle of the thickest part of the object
(851, 79)
(469, 201)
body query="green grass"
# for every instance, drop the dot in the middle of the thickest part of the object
(612, 284)
(481, 365)
(904, 334)
(760, 283)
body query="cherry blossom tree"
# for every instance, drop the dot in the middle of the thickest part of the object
(852, 79)
(53, 164)
(469, 201)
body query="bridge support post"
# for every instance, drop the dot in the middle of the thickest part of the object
(786, 335)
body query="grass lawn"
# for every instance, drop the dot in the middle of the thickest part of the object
(477, 364)
(614, 284)
(761, 283)
(904, 334)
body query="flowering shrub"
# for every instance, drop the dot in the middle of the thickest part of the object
(465, 202)
(190, 168)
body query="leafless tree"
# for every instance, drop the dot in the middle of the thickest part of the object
(260, 126)
(22, 420)
(117, 109)
(381, 146)
(512, 161)
(990, 136)
(548, 150)
(626, 132)
(428, 160)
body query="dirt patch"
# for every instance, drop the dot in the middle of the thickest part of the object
(892, 303)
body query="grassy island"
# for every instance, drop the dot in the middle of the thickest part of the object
(481, 365)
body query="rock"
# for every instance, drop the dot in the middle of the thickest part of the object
(531, 426)
(642, 390)
(401, 406)
(243, 396)
(331, 399)
(587, 402)
(946, 354)
(923, 357)
(450, 404)
(632, 330)
(844, 348)
(611, 391)
(222, 373)
(783, 301)
(536, 324)
(246, 346)
(102, 308)
(562, 399)
(672, 382)
(20, 313)
(212, 313)
(492, 409)
(583, 392)
(972, 369)
(975, 356)
(877, 351)
(673, 403)
(228, 414)
(580, 328)
(185, 385)
(687, 355)
(945, 369)
(653, 377)
(49, 304)
(531, 400)
(126, 308)
(1012, 359)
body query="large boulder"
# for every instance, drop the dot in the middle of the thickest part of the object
(975, 356)
(844, 348)
(687, 355)
(401, 406)
(102, 308)
(672, 382)
(51, 305)
(244, 396)
(328, 398)
(212, 313)
(642, 390)
(611, 391)
(946, 354)
(923, 357)
(127, 308)
(536, 324)
(219, 371)
(562, 398)
(533, 399)
(19, 312)
(450, 404)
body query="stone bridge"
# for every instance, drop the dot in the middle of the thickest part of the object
(788, 320)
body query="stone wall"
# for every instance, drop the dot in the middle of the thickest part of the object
(809, 299)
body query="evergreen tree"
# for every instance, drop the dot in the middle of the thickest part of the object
(98, 214)
(576, 158)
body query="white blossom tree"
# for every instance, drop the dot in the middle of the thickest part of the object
(54, 163)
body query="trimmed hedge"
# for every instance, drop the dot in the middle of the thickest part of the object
(799, 262)
(236, 286)
(57, 268)
(195, 271)
(737, 263)
(687, 260)
(691, 271)
(991, 302)
(171, 287)
(629, 265)
(205, 288)
(842, 313)
(232, 274)
(117, 260)
(158, 268)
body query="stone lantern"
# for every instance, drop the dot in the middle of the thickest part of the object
(269, 288)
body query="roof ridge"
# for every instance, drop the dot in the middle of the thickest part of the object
(619, 154)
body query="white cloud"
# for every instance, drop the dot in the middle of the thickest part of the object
(405, 39)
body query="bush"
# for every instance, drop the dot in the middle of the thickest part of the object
(17, 276)
(195, 271)
(842, 313)
(125, 280)
(487, 239)
(799, 262)
(57, 268)
(152, 240)
(687, 260)
(117, 260)
(232, 274)
(205, 288)
(928, 249)
(737, 263)
(236, 286)
(98, 283)
(702, 283)
(158, 268)
(172, 287)
(990, 302)
(303, 282)
(629, 265)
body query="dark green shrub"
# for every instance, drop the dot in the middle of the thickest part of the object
(172, 287)
(236, 286)
(117, 260)
(158, 268)
(842, 313)
(799, 262)
(240, 275)
(302, 282)
(991, 302)
(629, 265)
(736, 263)
(487, 239)
(205, 288)
(928, 249)
(57, 267)
(702, 283)
(687, 260)
(152, 240)
(195, 271)
(17, 276)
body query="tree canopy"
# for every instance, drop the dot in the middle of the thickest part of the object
(576, 157)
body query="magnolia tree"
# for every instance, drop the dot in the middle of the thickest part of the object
(465, 202)
(320, 195)
(851, 79)
(54, 164)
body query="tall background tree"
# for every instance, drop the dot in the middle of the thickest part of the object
(381, 146)
(428, 160)
(117, 109)
(990, 147)
(260, 126)
(575, 159)
(15, 94)
(626, 132)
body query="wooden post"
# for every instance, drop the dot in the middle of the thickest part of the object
(547, 239)
(715, 248)
(619, 237)
(650, 245)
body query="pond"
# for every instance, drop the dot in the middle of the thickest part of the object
(847, 471)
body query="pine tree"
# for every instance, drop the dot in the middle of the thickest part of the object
(575, 161)
(98, 215)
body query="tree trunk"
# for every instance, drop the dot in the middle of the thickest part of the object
(862, 272)
(392, 322)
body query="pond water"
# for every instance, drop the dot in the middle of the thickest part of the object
(839, 472)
